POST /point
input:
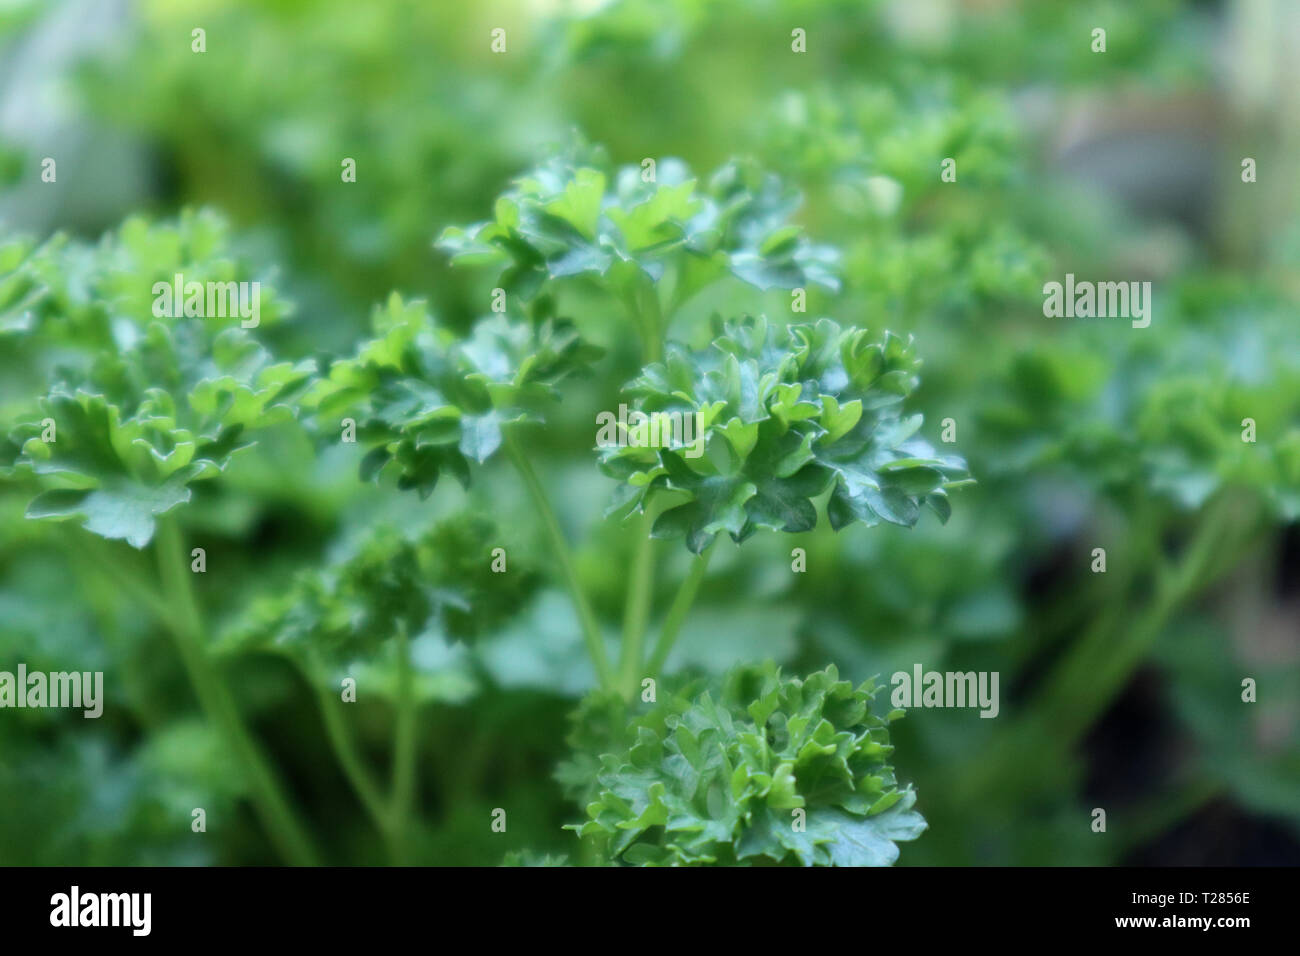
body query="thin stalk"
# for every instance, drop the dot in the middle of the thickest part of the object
(590, 629)
(1176, 585)
(638, 317)
(404, 742)
(643, 307)
(640, 586)
(214, 695)
(1097, 667)
(677, 612)
(345, 750)
(101, 589)
(637, 611)
(647, 315)
(656, 329)
(112, 567)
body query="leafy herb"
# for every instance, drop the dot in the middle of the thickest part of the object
(143, 406)
(566, 219)
(775, 770)
(425, 403)
(786, 415)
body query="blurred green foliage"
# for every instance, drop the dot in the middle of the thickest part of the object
(1082, 434)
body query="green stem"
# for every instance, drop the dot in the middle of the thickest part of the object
(345, 749)
(1215, 548)
(404, 742)
(643, 306)
(635, 314)
(637, 612)
(102, 587)
(590, 629)
(214, 695)
(1176, 585)
(677, 612)
(1097, 667)
(653, 312)
(644, 309)
(115, 568)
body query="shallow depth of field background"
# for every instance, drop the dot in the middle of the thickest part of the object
(1083, 433)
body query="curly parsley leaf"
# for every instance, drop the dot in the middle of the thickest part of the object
(566, 218)
(775, 770)
(1138, 421)
(781, 416)
(436, 587)
(142, 405)
(426, 403)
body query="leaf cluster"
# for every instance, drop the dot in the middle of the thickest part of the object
(775, 770)
(140, 406)
(426, 402)
(435, 582)
(568, 219)
(786, 415)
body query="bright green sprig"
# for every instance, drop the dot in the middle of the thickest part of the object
(142, 405)
(1133, 425)
(567, 218)
(783, 416)
(775, 770)
(439, 581)
(426, 402)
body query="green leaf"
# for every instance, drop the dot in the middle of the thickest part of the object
(791, 771)
(579, 203)
(121, 510)
(772, 451)
(427, 403)
(565, 219)
(159, 402)
(436, 586)
(870, 841)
